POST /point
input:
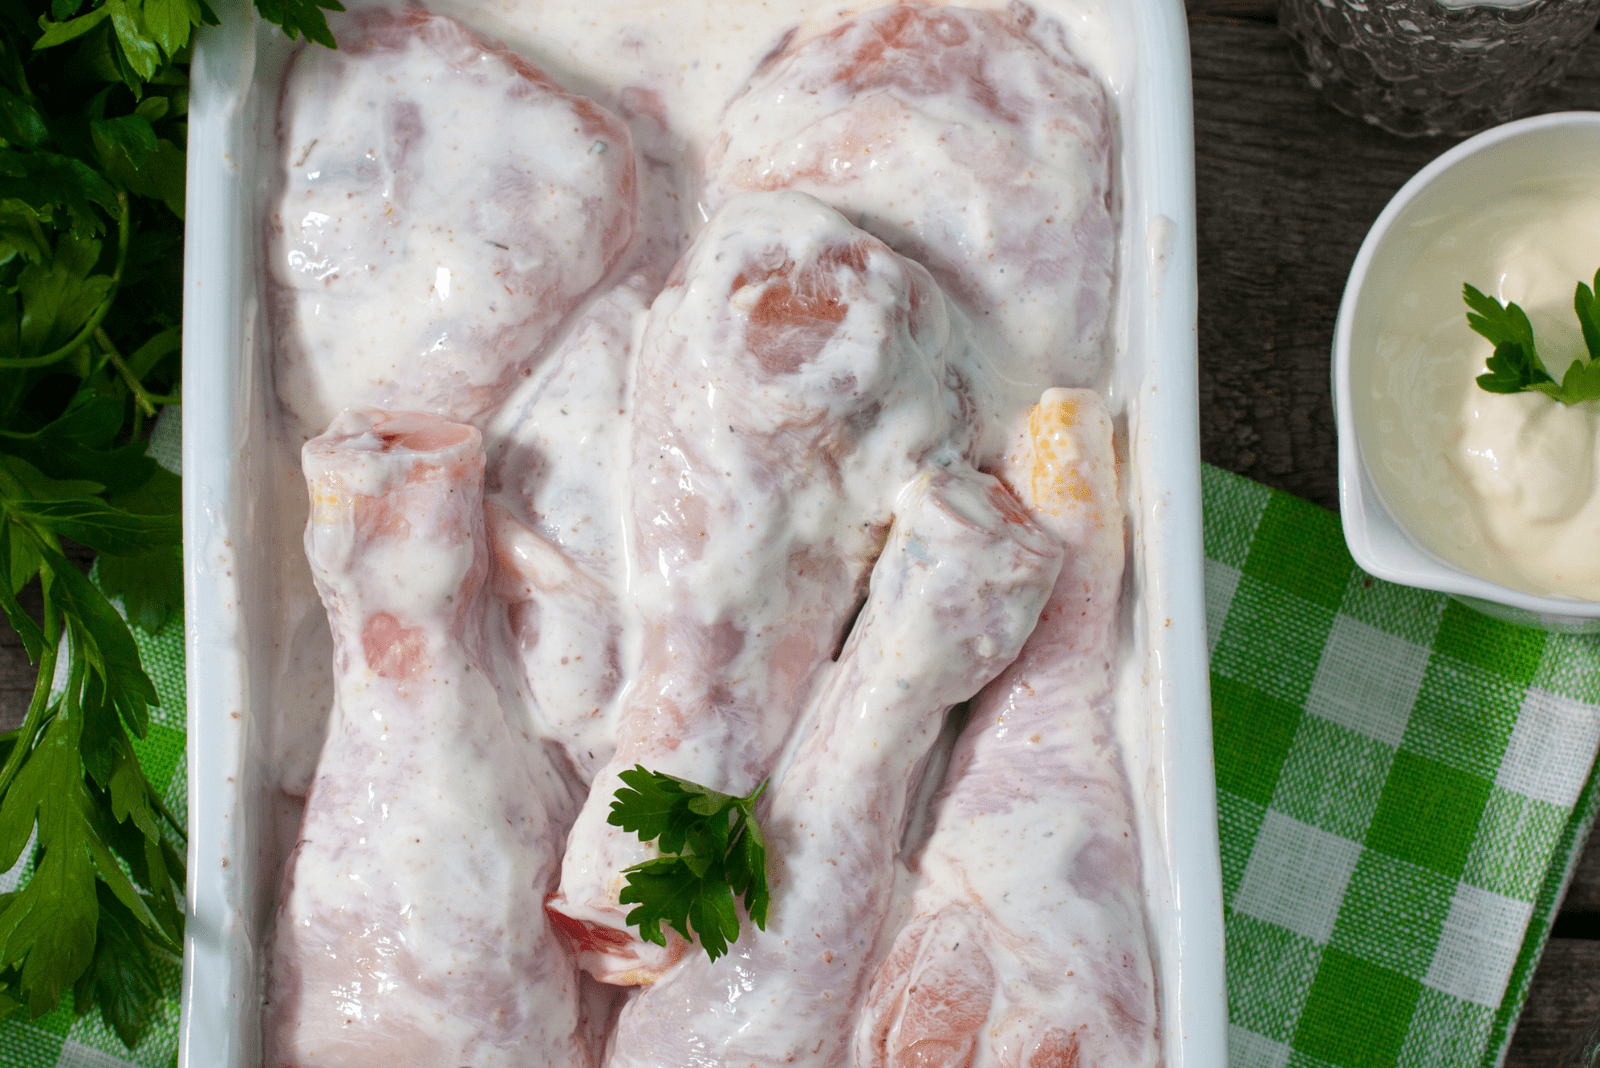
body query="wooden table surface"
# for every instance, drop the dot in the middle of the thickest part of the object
(1286, 189)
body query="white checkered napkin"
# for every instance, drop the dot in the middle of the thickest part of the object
(1403, 787)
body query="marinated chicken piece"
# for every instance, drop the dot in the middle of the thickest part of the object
(410, 930)
(445, 207)
(555, 542)
(1027, 944)
(956, 591)
(791, 380)
(563, 629)
(972, 142)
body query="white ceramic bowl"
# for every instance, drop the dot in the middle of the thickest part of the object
(1470, 175)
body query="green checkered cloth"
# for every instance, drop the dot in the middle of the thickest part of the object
(61, 1039)
(1403, 786)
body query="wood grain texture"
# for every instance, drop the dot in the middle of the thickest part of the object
(1563, 1002)
(1286, 189)
(16, 674)
(1215, 10)
(1583, 895)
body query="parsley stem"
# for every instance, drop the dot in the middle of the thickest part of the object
(124, 229)
(145, 401)
(166, 814)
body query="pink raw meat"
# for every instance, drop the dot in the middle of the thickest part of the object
(410, 930)
(956, 591)
(973, 142)
(791, 380)
(445, 207)
(1027, 947)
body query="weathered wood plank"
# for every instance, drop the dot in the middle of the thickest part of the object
(1286, 190)
(1251, 10)
(1563, 1000)
(16, 674)
(1583, 895)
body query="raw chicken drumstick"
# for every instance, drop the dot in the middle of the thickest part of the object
(1027, 944)
(410, 930)
(791, 381)
(972, 142)
(446, 206)
(956, 591)
(556, 543)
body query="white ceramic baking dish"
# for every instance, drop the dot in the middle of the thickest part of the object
(236, 840)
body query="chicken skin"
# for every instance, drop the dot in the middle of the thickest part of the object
(956, 591)
(410, 929)
(791, 380)
(1027, 945)
(970, 141)
(445, 207)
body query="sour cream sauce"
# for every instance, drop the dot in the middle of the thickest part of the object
(1502, 485)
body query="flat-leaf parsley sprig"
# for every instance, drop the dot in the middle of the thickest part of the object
(711, 851)
(1516, 367)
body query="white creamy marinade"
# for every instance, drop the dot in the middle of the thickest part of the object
(1044, 962)
(381, 954)
(736, 525)
(971, 142)
(557, 530)
(440, 207)
(955, 592)
(444, 208)
(792, 377)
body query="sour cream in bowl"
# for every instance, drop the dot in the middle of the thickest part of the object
(1490, 497)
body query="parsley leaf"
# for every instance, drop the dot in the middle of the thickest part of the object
(301, 16)
(81, 446)
(70, 778)
(122, 977)
(149, 582)
(1516, 366)
(47, 930)
(712, 851)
